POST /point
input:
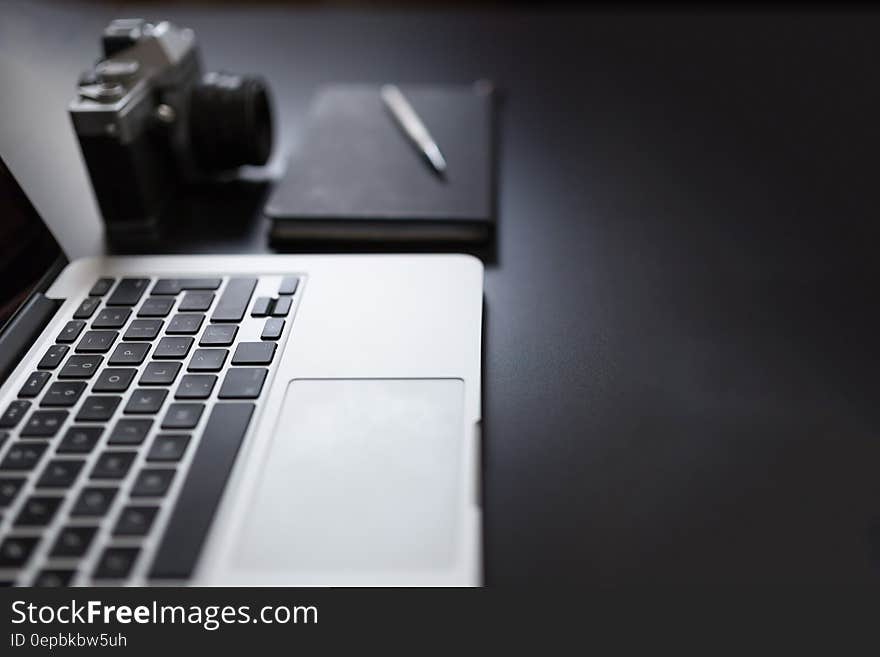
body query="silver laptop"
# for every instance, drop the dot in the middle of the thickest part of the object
(236, 420)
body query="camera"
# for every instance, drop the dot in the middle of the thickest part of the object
(148, 120)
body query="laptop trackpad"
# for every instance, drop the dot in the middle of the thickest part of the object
(362, 476)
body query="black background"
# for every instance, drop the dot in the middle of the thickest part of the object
(458, 621)
(681, 337)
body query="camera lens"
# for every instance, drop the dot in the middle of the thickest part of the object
(230, 121)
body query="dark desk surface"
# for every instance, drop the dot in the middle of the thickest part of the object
(681, 370)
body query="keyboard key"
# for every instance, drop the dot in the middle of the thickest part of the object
(195, 386)
(73, 541)
(9, 486)
(54, 578)
(173, 347)
(54, 355)
(158, 373)
(253, 353)
(96, 342)
(80, 367)
(168, 447)
(98, 408)
(59, 473)
(219, 335)
(128, 292)
(152, 482)
(177, 285)
(37, 511)
(87, 308)
(196, 301)
(207, 360)
(34, 384)
(182, 416)
(243, 383)
(14, 413)
(288, 285)
(129, 353)
(93, 501)
(80, 440)
(234, 301)
(15, 550)
(114, 380)
(272, 329)
(101, 287)
(116, 563)
(23, 456)
(146, 400)
(129, 432)
(135, 520)
(262, 307)
(282, 306)
(4, 436)
(156, 307)
(71, 331)
(193, 513)
(63, 393)
(143, 329)
(111, 318)
(113, 465)
(185, 324)
(44, 424)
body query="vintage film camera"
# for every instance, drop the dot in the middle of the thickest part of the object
(148, 119)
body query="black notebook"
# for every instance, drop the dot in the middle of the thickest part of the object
(356, 177)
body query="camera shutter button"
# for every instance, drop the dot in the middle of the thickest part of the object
(114, 71)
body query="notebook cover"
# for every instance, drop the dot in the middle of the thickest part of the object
(357, 177)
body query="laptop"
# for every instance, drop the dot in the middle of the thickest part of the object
(252, 420)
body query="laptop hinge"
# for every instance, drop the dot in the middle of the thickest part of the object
(23, 329)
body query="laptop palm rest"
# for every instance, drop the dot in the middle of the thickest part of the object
(363, 476)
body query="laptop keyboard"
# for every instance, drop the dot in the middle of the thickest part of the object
(115, 454)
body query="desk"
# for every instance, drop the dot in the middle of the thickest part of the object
(681, 349)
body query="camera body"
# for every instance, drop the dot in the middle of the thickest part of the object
(148, 119)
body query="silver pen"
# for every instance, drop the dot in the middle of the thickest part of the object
(412, 126)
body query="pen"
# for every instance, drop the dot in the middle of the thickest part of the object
(412, 126)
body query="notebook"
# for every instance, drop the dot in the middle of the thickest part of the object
(357, 178)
